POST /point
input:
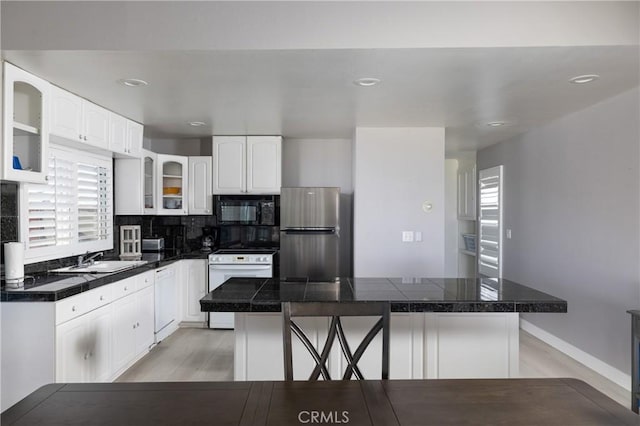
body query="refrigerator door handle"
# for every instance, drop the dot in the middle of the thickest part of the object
(301, 231)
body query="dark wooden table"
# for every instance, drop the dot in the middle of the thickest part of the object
(374, 402)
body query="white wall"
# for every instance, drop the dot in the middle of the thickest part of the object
(571, 198)
(324, 162)
(451, 218)
(395, 171)
(192, 146)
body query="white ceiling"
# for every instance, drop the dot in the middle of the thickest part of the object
(301, 91)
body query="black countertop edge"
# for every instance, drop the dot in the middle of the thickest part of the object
(399, 307)
(91, 281)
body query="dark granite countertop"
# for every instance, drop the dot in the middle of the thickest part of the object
(405, 295)
(72, 284)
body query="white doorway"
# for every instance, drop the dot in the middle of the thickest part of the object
(490, 222)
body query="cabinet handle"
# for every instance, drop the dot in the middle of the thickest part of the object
(90, 354)
(101, 298)
(86, 356)
(134, 326)
(125, 289)
(46, 178)
(137, 324)
(73, 309)
(80, 137)
(85, 138)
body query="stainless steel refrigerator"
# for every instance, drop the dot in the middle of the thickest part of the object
(310, 233)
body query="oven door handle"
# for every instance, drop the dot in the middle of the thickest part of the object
(239, 267)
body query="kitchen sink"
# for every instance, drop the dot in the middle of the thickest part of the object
(101, 267)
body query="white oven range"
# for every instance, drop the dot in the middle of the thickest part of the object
(228, 263)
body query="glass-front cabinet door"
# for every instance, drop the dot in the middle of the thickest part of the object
(26, 132)
(149, 182)
(172, 190)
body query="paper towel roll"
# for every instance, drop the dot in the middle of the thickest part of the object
(14, 264)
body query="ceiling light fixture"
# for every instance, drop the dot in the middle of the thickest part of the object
(197, 123)
(367, 81)
(581, 79)
(132, 82)
(496, 123)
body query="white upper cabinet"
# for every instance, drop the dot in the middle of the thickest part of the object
(467, 193)
(134, 138)
(66, 114)
(200, 198)
(149, 182)
(77, 120)
(172, 184)
(125, 137)
(247, 164)
(26, 126)
(264, 164)
(96, 125)
(229, 171)
(117, 134)
(135, 184)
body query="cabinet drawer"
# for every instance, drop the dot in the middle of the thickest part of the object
(98, 297)
(72, 307)
(145, 280)
(123, 288)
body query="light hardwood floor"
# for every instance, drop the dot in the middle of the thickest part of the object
(197, 354)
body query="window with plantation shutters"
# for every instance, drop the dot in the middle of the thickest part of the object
(94, 213)
(72, 213)
(490, 222)
(51, 206)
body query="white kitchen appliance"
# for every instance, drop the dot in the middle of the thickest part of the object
(228, 263)
(165, 302)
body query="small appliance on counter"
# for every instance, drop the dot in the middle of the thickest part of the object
(14, 265)
(152, 245)
(209, 238)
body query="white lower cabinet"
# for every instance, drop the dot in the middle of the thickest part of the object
(426, 345)
(83, 348)
(193, 289)
(124, 337)
(97, 345)
(90, 337)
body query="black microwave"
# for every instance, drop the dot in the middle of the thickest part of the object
(247, 209)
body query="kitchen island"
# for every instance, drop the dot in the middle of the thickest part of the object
(440, 327)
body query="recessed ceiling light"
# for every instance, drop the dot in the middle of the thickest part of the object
(197, 123)
(496, 123)
(367, 81)
(581, 79)
(133, 82)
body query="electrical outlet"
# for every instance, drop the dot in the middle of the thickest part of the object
(407, 236)
(508, 234)
(418, 236)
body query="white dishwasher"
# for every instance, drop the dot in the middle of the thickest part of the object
(165, 302)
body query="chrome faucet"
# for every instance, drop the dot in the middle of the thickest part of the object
(85, 259)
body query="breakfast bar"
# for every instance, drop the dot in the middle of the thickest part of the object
(439, 327)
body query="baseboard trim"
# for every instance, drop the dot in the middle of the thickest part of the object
(600, 367)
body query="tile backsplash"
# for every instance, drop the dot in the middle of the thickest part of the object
(8, 214)
(181, 232)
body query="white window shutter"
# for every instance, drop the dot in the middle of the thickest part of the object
(72, 212)
(490, 222)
